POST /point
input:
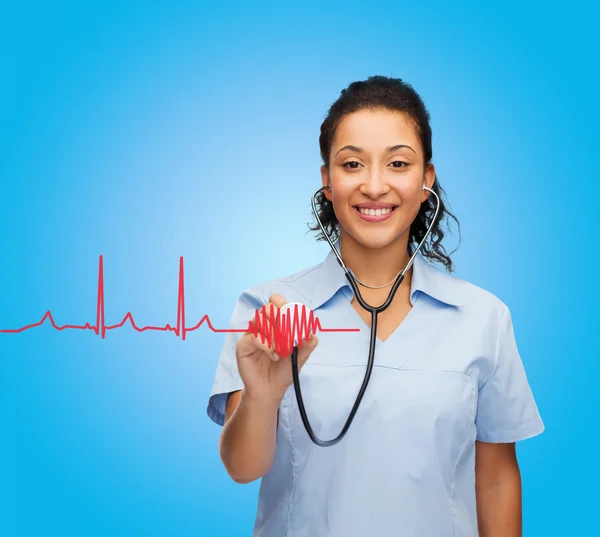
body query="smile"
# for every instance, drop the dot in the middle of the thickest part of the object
(375, 215)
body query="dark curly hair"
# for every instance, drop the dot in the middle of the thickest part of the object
(380, 92)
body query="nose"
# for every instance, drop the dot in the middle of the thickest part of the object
(375, 184)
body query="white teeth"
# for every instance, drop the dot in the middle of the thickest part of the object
(375, 212)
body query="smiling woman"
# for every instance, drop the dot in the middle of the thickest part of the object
(377, 103)
(448, 385)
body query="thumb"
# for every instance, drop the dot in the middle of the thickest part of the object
(277, 300)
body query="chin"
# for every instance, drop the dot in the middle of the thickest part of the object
(375, 240)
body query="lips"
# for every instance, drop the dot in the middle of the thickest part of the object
(375, 212)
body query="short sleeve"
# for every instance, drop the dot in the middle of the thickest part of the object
(227, 378)
(506, 409)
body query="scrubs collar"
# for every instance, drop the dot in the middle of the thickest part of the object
(426, 278)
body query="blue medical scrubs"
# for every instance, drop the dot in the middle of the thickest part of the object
(449, 375)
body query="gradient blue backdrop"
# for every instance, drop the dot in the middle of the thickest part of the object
(153, 131)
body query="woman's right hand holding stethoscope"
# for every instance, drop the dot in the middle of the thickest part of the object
(265, 374)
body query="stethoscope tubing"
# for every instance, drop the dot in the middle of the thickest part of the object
(374, 310)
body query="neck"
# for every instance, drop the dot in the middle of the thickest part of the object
(375, 266)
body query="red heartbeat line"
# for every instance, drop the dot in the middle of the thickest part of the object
(283, 329)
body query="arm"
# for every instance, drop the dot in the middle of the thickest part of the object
(498, 490)
(247, 441)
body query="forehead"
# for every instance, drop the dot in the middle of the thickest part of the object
(372, 129)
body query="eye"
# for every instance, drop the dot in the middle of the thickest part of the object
(353, 164)
(345, 164)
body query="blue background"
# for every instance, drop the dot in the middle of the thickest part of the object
(151, 131)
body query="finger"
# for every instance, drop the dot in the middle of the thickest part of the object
(310, 344)
(288, 314)
(259, 325)
(263, 332)
(307, 348)
(269, 323)
(254, 338)
(277, 300)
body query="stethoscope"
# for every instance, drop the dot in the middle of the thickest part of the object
(374, 312)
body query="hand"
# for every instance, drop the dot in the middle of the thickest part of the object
(264, 373)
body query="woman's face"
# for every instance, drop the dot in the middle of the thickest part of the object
(376, 173)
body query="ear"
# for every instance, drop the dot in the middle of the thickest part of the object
(326, 181)
(428, 180)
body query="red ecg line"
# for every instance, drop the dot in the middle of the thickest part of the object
(282, 329)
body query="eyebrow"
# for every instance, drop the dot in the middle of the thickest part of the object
(389, 149)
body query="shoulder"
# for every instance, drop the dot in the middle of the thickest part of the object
(473, 299)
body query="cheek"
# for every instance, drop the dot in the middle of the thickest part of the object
(341, 192)
(409, 193)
